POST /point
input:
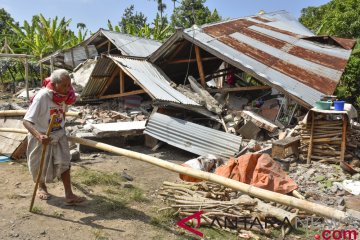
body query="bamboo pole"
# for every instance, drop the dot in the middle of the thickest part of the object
(309, 207)
(15, 113)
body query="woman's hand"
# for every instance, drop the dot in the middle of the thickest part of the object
(44, 139)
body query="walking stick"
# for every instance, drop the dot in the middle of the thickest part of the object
(52, 121)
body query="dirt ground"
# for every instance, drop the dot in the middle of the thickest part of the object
(115, 209)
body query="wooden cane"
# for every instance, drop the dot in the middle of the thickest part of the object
(52, 121)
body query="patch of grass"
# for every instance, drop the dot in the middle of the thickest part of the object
(109, 204)
(164, 217)
(92, 178)
(58, 214)
(137, 195)
(36, 210)
(99, 234)
(216, 234)
(128, 194)
(305, 233)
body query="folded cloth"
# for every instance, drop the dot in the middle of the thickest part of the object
(56, 135)
(57, 157)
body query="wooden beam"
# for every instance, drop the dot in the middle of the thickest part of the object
(179, 48)
(200, 66)
(109, 47)
(308, 160)
(122, 81)
(111, 79)
(26, 65)
(51, 64)
(9, 55)
(239, 89)
(190, 60)
(140, 91)
(72, 58)
(343, 140)
(102, 44)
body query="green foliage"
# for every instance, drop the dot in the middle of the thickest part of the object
(129, 19)
(339, 18)
(43, 36)
(159, 30)
(4, 18)
(188, 14)
(92, 178)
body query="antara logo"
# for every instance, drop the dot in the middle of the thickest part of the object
(197, 216)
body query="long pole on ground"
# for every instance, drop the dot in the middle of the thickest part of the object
(309, 207)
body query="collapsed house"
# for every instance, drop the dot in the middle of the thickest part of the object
(247, 75)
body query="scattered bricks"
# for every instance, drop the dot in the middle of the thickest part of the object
(249, 130)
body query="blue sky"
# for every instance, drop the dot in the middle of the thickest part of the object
(95, 13)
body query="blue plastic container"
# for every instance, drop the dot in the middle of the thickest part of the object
(4, 159)
(339, 105)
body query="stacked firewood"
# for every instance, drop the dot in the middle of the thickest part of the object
(326, 143)
(222, 207)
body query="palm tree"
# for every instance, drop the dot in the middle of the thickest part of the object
(161, 7)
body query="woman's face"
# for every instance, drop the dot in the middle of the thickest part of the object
(64, 86)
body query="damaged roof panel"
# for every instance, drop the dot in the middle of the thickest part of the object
(192, 137)
(131, 45)
(276, 48)
(263, 72)
(100, 75)
(152, 79)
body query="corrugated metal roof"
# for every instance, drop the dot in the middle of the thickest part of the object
(132, 45)
(192, 137)
(103, 69)
(274, 48)
(152, 80)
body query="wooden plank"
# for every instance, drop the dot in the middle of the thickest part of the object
(239, 89)
(122, 81)
(109, 47)
(191, 60)
(308, 160)
(343, 141)
(259, 120)
(72, 58)
(211, 103)
(123, 94)
(179, 48)
(200, 66)
(11, 141)
(111, 79)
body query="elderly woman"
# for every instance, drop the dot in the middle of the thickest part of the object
(52, 99)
